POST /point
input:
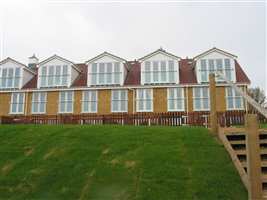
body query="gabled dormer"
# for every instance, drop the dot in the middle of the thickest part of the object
(13, 74)
(106, 69)
(215, 60)
(56, 72)
(159, 67)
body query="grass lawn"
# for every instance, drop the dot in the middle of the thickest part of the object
(114, 163)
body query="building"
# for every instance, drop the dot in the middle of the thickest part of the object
(159, 82)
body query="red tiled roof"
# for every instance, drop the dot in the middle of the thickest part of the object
(186, 72)
(134, 74)
(241, 76)
(81, 80)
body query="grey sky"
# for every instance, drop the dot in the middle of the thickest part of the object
(79, 31)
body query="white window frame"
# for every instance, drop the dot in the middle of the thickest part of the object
(54, 76)
(144, 99)
(201, 99)
(119, 100)
(159, 72)
(182, 98)
(89, 101)
(64, 101)
(11, 103)
(13, 77)
(223, 69)
(38, 102)
(234, 97)
(105, 73)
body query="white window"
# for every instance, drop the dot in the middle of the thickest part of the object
(38, 102)
(66, 102)
(10, 77)
(175, 99)
(234, 100)
(89, 101)
(223, 66)
(144, 100)
(54, 76)
(159, 72)
(17, 103)
(201, 98)
(119, 101)
(106, 73)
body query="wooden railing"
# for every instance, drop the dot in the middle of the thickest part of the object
(167, 119)
(225, 119)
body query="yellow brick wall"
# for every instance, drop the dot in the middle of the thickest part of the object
(104, 98)
(77, 105)
(52, 103)
(5, 99)
(131, 102)
(160, 100)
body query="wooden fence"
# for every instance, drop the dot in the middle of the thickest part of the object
(225, 119)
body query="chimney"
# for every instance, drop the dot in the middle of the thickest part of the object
(33, 61)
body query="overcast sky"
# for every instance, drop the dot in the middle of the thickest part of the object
(80, 30)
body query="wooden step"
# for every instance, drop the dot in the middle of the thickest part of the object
(244, 152)
(263, 164)
(262, 141)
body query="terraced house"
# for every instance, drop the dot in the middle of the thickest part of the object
(159, 82)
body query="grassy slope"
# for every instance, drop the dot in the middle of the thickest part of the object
(112, 162)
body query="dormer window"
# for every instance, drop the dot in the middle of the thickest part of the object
(13, 74)
(10, 77)
(56, 72)
(106, 69)
(215, 60)
(54, 75)
(159, 67)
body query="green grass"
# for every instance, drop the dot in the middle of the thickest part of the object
(114, 163)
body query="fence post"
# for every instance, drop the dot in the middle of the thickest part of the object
(253, 157)
(213, 112)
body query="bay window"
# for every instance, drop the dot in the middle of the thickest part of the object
(110, 73)
(119, 101)
(66, 101)
(201, 98)
(38, 102)
(17, 103)
(175, 99)
(234, 100)
(54, 76)
(10, 77)
(159, 72)
(144, 100)
(89, 101)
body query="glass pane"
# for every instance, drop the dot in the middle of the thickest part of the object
(179, 104)
(93, 79)
(69, 106)
(117, 67)
(205, 103)
(94, 68)
(117, 78)
(171, 104)
(227, 63)
(10, 77)
(109, 73)
(205, 92)
(141, 105)
(148, 105)
(228, 74)
(115, 105)
(115, 95)
(197, 92)
(65, 75)
(93, 106)
(203, 65)
(147, 66)
(20, 108)
(123, 94)
(93, 96)
(43, 71)
(51, 75)
(171, 65)
(34, 107)
(62, 107)
(101, 67)
(35, 97)
(140, 94)
(219, 64)
(42, 107)
(123, 105)
(197, 104)
(85, 106)
(238, 102)
(204, 76)
(229, 92)
(147, 77)
(171, 93)
(57, 79)
(85, 95)
(230, 103)
(179, 92)
(147, 94)
(62, 96)
(211, 66)
(14, 97)
(155, 71)
(69, 96)
(17, 72)
(21, 97)
(13, 107)
(43, 97)
(16, 83)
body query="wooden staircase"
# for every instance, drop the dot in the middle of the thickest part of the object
(234, 140)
